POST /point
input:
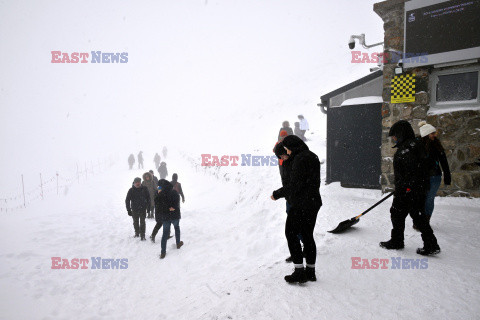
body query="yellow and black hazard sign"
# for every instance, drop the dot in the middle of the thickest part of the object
(403, 88)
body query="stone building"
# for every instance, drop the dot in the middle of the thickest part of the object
(457, 122)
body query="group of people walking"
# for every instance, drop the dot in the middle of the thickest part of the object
(159, 199)
(418, 165)
(156, 160)
(300, 128)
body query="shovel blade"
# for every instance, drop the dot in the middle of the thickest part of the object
(344, 225)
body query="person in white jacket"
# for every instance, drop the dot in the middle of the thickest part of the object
(303, 126)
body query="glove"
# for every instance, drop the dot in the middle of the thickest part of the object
(130, 212)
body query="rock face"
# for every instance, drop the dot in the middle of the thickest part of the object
(459, 131)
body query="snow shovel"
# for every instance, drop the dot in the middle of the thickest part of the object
(344, 225)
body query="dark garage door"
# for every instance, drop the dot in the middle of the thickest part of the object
(353, 145)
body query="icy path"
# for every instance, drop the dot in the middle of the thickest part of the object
(231, 266)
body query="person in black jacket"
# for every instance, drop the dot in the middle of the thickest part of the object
(285, 167)
(287, 128)
(167, 207)
(436, 158)
(303, 195)
(137, 202)
(411, 185)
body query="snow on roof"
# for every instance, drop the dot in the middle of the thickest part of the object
(362, 100)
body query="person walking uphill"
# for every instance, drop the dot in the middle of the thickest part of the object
(156, 160)
(140, 160)
(151, 186)
(436, 158)
(131, 161)
(177, 186)
(167, 206)
(411, 185)
(162, 170)
(137, 202)
(303, 194)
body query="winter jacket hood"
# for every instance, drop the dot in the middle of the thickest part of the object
(149, 175)
(279, 150)
(295, 144)
(165, 184)
(403, 131)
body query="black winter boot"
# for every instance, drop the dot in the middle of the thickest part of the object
(429, 250)
(297, 276)
(142, 237)
(392, 245)
(430, 246)
(152, 238)
(136, 235)
(310, 274)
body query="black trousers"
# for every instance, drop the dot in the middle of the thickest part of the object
(301, 222)
(157, 227)
(139, 221)
(413, 204)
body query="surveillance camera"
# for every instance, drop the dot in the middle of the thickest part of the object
(351, 43)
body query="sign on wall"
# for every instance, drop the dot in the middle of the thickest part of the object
(403, 88)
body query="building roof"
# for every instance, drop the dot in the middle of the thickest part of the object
(351, 85)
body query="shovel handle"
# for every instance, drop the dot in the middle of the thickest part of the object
(376, 204)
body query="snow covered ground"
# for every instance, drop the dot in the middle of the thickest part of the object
(232, 264)
(206, 89)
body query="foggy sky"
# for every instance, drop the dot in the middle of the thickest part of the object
(195, 69)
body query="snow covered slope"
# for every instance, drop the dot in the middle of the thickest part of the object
(232, 264)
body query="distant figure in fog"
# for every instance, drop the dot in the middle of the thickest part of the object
(131, 161)
(303, 126)
(287, 128)
(177, 186)
(157, 160)
(140, 160)
(164, 151)
(297, 131)
(162, 170)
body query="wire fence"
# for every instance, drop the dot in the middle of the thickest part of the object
(53, 185)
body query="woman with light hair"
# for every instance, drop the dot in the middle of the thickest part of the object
(437, 162)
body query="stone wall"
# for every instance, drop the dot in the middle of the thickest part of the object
(458, 131)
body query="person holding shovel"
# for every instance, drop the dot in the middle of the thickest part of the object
(411, 185)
